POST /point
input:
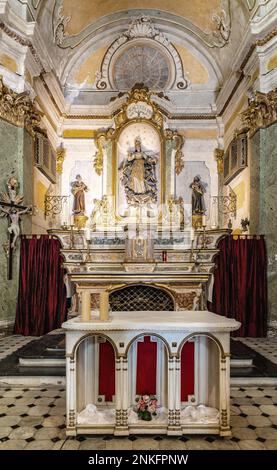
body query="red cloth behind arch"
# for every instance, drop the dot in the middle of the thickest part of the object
(41, 304)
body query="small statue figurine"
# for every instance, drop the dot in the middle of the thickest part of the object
(197, 198)
(245, 224)
(14, 228)
(78, 190)
(13, 185)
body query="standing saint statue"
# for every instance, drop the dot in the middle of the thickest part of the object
(139, 176)
(78, 190)
(197, 199)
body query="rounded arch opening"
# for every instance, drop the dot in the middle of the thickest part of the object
(200, 363)
(141, 297)
(95, 379)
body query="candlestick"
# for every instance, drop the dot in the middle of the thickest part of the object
(71, 237)
(204, 244)
(72, 220)
(87, 234)
(104, 306)
(88, 255)
(192, 234)
(86, 307)
(203, 220)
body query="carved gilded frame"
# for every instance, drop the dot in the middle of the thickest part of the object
(140, 96)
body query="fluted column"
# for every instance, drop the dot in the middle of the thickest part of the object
(224, 395)
(71, 398)
(171, 391)
(177, 392)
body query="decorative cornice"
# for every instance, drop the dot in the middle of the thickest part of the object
(267, 38)
(24, 42)
(18, 108)
(218, 154)
(262, 111)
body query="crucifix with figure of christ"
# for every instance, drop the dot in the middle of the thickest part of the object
(11, 207)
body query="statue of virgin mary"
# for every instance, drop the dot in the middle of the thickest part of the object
(139, 176)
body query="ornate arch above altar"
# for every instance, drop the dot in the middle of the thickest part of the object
(139, 117)
(142, 49)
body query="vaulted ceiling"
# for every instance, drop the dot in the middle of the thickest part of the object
(82, 38)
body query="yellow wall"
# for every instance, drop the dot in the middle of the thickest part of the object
(8, 62)
(88, 69)
(198, 74)
(272, 63)
(84, 12)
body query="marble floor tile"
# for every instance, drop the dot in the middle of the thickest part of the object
(270, 444)
(196, 443)
(23, 432)
(269, 409)
(251, 445)
(5, 431)
(13, 444)
(250, 410)
(244, 433)
(94, 444)
(71, 444)
(46, 444)
(238, 422)
(258, 421)
(119, 444)
(267, 433)
(143, 443)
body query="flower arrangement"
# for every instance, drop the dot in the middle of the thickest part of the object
(146, 407)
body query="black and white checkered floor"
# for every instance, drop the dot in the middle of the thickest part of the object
(34, 418)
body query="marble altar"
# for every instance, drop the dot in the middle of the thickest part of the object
(208, 412)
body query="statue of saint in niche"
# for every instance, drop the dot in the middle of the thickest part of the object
(139, 176)
(197, 198)
(78, 189)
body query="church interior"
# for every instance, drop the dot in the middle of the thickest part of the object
(138, 222)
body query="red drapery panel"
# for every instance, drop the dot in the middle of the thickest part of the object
(240, 284)
(146, 367)
(106, 371)
(187, 371)
(41, 305)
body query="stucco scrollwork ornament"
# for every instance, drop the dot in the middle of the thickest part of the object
(261, 112)
(110, 76)
(141, 27)
(186, 300)
(179, 142)
(139, 105)
(59, 29)
(220, 34)
(60, 156)
(18, 108)
(219, 154)
(100, 143)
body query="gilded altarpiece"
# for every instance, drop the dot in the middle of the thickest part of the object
(140, 119)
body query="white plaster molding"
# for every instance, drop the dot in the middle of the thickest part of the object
(12, 80)
(264, 16)
(16, 18)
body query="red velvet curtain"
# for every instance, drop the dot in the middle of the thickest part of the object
(106, 370)
(240, 284)
(41, 305)
(146, 367)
